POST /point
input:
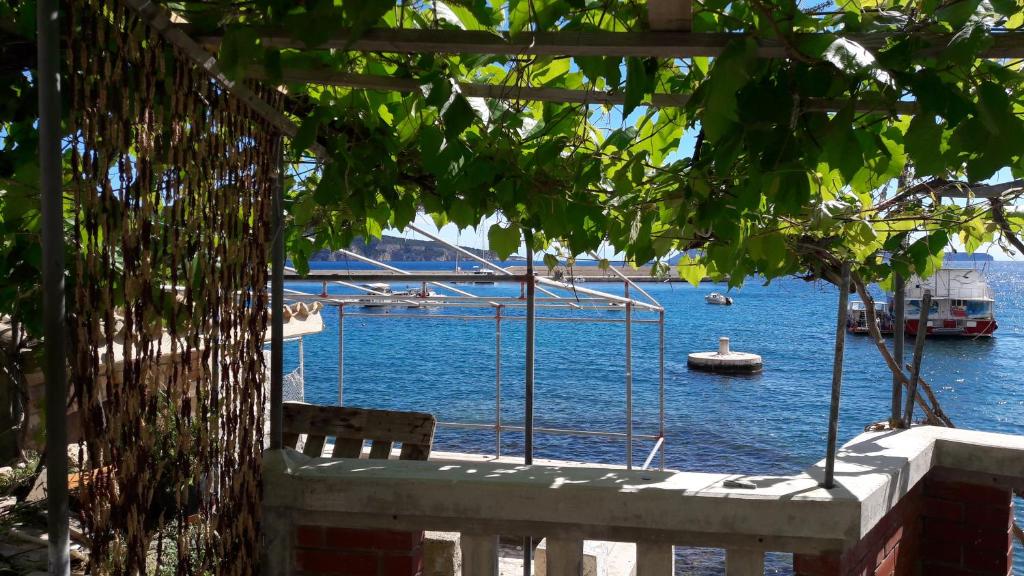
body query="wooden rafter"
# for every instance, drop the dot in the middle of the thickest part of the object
(951, 189)
(670, 15)
(541, 94)
(572, 43)
(162, 21)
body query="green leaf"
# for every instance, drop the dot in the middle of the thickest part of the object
(924, 143)
(551, 261)
(691, 270)
(640, 77)
(504, 241)
(458, 116)
(361, 15)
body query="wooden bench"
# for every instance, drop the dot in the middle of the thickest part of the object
(332, 548)
(352, 427)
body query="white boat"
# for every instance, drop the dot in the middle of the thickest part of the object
(963, 304)
(857, 317)
(376, 289)
(718, 298)
(415, 294)
(478, 272)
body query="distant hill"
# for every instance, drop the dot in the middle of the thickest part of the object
(965, 257)
(397, 249)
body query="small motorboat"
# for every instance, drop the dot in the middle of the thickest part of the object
(377, 289)
(718, 298)
(415, 294)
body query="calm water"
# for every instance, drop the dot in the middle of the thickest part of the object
(773, 423)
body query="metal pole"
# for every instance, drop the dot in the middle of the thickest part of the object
(341, 354)
(899, 326)
(915, 372)
(629, 379)
(302, 363)
(837, 378)
(531, 325)
(661, 384)
(52, 232)
(277, 309)
(497, 381)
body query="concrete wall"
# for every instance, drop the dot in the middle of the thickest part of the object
(939, 527)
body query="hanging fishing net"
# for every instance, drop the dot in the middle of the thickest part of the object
(169, 197)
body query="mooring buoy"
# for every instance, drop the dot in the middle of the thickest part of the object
(725, 360)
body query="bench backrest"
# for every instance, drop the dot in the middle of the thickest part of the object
(351, 427)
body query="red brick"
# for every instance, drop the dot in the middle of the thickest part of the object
(942, 552)
(816, 565)
(894, 539)
(309, 536)
(995, 517)
(888, 565)
(401, 565)
(943, 509)
(988, 561)
(352, 539)
(336, 563)
(969, 493)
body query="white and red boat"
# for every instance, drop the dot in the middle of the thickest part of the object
(963, 304)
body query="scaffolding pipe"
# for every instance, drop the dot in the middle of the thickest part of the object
(543, 430)
(661, 384)
(837, 378)
(469, 254)
(341, 354)
(497, 381)
(628, 280)
(52, 233)
(589, 292)
(898, 339)
(277, 309)
(401, 272)
(531, 327)
(629, 379)
(302, 363)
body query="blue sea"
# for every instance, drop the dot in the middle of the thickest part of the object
(772, 423)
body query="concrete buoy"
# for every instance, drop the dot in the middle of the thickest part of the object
(725, 360)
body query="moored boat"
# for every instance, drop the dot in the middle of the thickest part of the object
(377, 289)
(718, 298)
(962, 303)
(857, 318)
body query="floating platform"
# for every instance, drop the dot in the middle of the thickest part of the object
(725, 360)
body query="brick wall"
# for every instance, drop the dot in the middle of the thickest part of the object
(967, 530)
(321, 550)
(938, 529)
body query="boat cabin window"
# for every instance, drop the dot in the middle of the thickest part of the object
(914, 308)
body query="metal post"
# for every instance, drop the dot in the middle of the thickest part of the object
(277, 309)
(341, 354)
(497, 381)
(531, 324)
(52, 211)
(302, 363)
(661, 384)
(898, 333)
(837, 378)
(915, 372)
(629, 380)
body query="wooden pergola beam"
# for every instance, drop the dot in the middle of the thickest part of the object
(568, 43)
(163, 21)
(541, 94)
(949, 189)
(670, 15)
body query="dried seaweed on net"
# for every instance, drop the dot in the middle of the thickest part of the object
(170, 185)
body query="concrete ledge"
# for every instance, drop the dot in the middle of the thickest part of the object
(783, 513)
